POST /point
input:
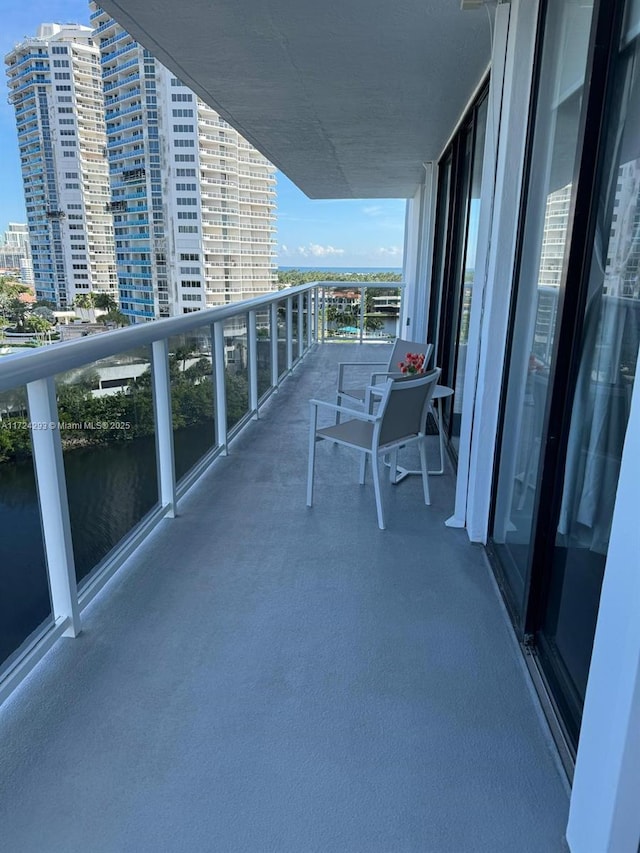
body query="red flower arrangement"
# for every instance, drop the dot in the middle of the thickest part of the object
(413, 363)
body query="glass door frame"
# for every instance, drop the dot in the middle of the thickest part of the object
(528, 615)
(445, 312)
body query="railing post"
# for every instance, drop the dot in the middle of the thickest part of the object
(311, 316)
(289, 333)
(323, 314)
(54, 504)
(362, 292)
(221, 393)
(164, 426)
(300, 325)
(253, 363)
(274, 344)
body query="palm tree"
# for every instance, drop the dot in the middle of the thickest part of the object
(84, 300)
(114, 317)
(84, 305)
(182, 353)
(104, 301)
(39, 325)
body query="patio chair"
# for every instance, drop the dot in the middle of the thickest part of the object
(357, 392)
(400, 420)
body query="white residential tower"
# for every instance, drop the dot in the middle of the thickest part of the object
(193, 202)
(56, 89)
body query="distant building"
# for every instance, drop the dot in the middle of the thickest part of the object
(26, 272)
(622, 272)
(15, 252)
(56, 89)
(193, 202)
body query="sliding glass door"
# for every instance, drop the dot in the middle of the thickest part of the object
(575, 338)
(607, 366)
(458, 206)
(539, 288)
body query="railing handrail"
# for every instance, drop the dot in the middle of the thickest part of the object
(21, 368)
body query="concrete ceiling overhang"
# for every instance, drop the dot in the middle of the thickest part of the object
(347, 97)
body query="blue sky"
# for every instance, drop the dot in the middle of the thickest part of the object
(312, 233)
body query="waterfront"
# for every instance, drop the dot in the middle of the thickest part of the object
(110, 488)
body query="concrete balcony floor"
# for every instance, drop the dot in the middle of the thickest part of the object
(264, 677)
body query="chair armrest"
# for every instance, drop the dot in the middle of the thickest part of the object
(353, 413)
(361, 363)
(375, 377)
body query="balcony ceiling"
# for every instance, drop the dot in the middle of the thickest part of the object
(347, 97)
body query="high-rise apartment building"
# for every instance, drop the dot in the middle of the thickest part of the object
(55, 86)
(15, 252)
(193, 202)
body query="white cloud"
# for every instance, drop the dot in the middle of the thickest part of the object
(314, 250)
(373, 210)
(389, 252)
(323, 251)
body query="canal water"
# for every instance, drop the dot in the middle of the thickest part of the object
(110, 489)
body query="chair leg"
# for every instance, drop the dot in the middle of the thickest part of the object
(425, 471)
(363, 468)
(376, 487)
(312, 454)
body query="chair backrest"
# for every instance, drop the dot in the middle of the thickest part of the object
(400, 349)
(404, 407)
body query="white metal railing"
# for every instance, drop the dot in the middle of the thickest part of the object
(37, 369)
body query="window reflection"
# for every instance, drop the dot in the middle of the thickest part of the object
(536, 318)
(602, 401)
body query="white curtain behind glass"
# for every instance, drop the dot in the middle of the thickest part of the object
(611, 334)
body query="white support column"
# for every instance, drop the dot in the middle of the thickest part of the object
(253, 364)
(314, 309)
(362, 293)
(274, 344)
(164, 427)
(514, 41)
(54, 505)
(311, 316)
(323, 310)
(300, 298)
(604, 813)
(289, 333)
(418, 258)
(471, 377)
(221, 393)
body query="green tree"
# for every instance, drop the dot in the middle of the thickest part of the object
(84, 300)
(18, 312)
(182, 353)
(114, 317)
(104, 301)
(289, 278)
(15, 443)
(36, 323)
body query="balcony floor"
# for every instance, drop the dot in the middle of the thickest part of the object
(264, 677)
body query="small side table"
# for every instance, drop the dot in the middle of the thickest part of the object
(440, 392)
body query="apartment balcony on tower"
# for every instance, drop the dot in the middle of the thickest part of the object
(56, 90)
(199, 648)
(174, 163)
